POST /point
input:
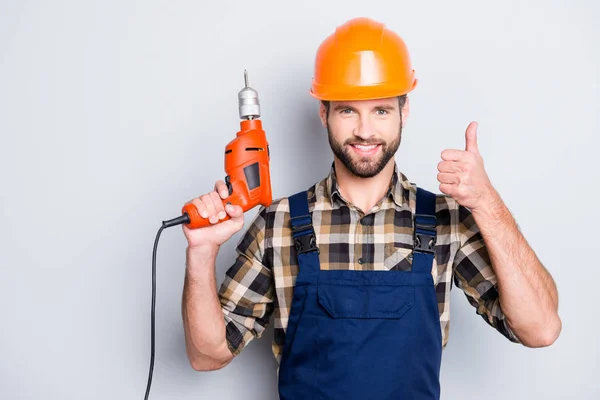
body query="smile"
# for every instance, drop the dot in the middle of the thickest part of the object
(366, 150)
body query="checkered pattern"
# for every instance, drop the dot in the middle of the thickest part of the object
(260, 283)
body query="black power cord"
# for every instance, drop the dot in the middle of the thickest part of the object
(184, 219)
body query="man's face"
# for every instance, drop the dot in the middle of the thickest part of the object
(364, 135)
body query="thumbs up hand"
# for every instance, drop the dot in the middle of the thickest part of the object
(462, 174)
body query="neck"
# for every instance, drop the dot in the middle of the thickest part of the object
(364, 193)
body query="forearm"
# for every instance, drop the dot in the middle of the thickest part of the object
(527, 293)
(203, 321)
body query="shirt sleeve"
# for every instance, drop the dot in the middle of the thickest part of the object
(246, 294)
(474, 275)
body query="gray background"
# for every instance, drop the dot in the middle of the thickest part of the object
(115, 113)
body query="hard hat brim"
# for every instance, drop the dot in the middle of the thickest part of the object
(349, 93)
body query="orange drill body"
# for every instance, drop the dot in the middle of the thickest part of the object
(247, 166)
(248, 172)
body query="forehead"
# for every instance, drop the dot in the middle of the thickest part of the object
(388, 101)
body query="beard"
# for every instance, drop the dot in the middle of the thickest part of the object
(364, 167)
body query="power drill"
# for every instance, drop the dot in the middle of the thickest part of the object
(246, 162)
(248, 179)
(248, 174)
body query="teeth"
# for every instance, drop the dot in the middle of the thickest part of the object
(365, 148)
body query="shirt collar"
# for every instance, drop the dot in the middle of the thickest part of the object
(397, 189)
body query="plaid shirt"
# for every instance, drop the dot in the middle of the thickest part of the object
(261, 280)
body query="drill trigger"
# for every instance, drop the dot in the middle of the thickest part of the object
(228, 183)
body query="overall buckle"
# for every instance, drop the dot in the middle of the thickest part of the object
(306, 243)
(425, 242)
(425, 235)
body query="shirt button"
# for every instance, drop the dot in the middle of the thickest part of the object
(360, 260)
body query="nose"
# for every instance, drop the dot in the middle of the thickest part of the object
(365, 128)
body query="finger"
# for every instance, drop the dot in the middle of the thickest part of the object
(199, 204)
(210, 208)
(447, 188)
(448, 178)
(471, 138)
(234, 211)
(453, 155)
(449, 166)
(218, 203)
(221, 188)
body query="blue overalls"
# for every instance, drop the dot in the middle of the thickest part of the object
(362, 334)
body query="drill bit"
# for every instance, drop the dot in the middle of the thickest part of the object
(249, 106)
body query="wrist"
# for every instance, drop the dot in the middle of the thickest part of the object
(201, 259)
(491, 206)
(203, 251)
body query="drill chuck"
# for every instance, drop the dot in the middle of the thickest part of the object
(249, 106)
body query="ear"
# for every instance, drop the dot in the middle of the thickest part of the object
(323, 114)
(405, 111)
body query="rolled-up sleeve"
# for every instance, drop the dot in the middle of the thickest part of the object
(474, 275)
(246, 294)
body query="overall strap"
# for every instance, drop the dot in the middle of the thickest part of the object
(305, 240)
(425, 231)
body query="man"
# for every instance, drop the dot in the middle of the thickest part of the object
(357, 270)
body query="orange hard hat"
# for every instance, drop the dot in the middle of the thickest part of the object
(362, 60)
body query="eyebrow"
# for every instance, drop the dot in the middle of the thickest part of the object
(377, 107)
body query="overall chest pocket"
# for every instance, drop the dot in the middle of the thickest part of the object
(366, 301)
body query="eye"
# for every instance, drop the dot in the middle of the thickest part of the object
(346, 111)
(381, 111)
